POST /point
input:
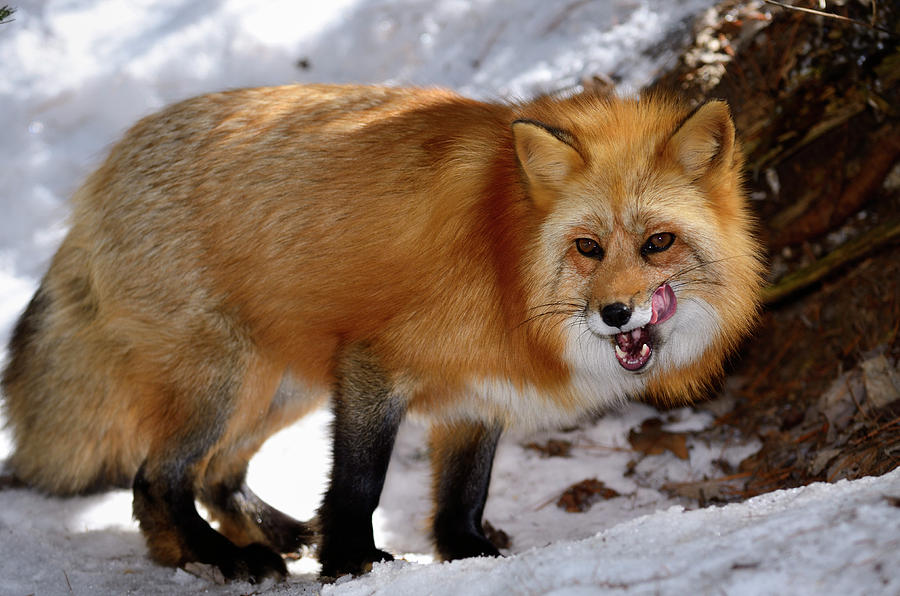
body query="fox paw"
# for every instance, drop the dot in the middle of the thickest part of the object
(336, 564)
(465, 545)
(253, 563)
(287, 535)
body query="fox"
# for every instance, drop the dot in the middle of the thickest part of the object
(245, 257)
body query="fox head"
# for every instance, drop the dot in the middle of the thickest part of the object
(651, 271)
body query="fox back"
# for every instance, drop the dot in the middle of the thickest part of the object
(241, 257)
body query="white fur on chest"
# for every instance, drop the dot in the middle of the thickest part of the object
(596, 382)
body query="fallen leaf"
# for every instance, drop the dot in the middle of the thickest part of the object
(882, 381)
(651, 439)
(579, 497)
(553, 448)
(840, 402)
(715, 490)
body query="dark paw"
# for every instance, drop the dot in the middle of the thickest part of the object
(253, 563)
(463, 546)
(286, 534)
(336, 564)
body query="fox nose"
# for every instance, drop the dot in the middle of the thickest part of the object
(615, 314)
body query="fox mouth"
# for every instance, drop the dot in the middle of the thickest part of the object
(634, 348)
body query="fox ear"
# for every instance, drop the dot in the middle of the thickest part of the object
(545, 153)
(704, 140)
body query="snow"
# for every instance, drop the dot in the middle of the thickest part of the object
(76, 74)
(820, 539)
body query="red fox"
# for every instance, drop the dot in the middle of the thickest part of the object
(242, 257)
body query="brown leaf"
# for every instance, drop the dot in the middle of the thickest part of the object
(553, 448)
(579, 497)
(651, 439)
(715, 490)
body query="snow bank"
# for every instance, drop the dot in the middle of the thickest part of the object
(819, 539)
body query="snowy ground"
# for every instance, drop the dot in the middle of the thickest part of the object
(77, 73)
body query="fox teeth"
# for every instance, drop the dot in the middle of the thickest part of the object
(645, 351)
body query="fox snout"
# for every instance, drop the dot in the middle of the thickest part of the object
(619, 317)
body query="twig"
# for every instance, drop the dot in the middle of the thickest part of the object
(876, 431)
(806, 436)
(875, 238)
(831, 15)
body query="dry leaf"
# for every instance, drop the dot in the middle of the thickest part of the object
(579, 497)
(653, 440)
(553, 448)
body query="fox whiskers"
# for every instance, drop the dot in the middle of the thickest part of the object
(568, 310)
(680, 278)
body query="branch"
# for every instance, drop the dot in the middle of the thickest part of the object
(875, 238)
(831, 15)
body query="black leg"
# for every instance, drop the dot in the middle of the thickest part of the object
(366, 416)
(462, 458)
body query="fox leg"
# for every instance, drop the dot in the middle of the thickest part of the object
(245, 518)
(367, 414)
(171, 476)
(462, 457)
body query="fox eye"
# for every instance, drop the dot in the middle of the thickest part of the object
(589, 248)
(658, 243)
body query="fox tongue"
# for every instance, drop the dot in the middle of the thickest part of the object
(663, 304)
